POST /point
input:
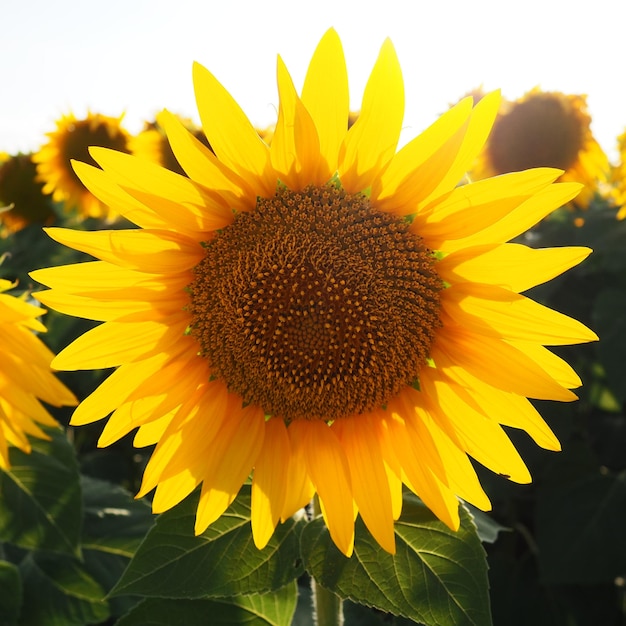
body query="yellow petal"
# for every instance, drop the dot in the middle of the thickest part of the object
(413, 155)
(233, 454)
(361, 443)
(499, 312)
(470, 209)
(480, 124)
(418, 476)
(554, 366)
(326, 96)
(203, 166)
(510, 265)
(514, 222)
(482, 437)
(114, 343)
(497, 362)
(230, 133)
(372, 140)
(110, 194)
(174, 490)
(159, 251)
(194, 426)
(103, 280)
(299, 489)
(330, 474)
(179, 201)
(269, 481)
(295, 148)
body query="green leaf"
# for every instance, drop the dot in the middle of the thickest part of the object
(222, 562)
(10, 594)
(580, 530)
(437, 577)
(59, 592)
(269, 609)
(40, 499)
(486, 527)
(114, 521)
(114, 526)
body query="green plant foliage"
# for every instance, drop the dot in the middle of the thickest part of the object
(270, 609)
(437, 577)
(222, 562)
(40, 497)
(11, 596)
(61, 592)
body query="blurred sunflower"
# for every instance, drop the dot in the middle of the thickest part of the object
(152, 143)
(618, 177)
(20, 190)
(25, 376)
(71, 141)
(333, 315)
(546, 129)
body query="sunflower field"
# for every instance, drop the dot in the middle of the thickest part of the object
(303, 375)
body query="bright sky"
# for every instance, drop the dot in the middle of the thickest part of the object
(135, 56)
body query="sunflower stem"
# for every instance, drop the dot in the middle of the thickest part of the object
(328, 606)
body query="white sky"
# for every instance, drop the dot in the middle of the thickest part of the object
(135, 56)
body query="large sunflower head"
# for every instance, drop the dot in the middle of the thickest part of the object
(70, 141)
(25, 376)
(328, 314)
(546, 129)
(20, 191)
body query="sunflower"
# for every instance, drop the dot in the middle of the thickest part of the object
(546, 129)
(152, 143)
(20, 191)
(71, 141)
(329, 314)
(25, 376)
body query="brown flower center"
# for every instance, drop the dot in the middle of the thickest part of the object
(316, 305)
(543, 131)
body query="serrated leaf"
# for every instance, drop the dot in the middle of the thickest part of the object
(437, 577)
(580, 530)
(40, 499)
(270, 609)
(10, 593)
(58, 591)
(222, 562)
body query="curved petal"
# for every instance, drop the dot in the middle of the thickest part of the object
(230, 133)
(499, 312)
(509, 265)
(269, 481)
(232, 456)
(202, 166)
(326, 96)
(361, 442)
(295, 150)
(330, 474)
(372, 140)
